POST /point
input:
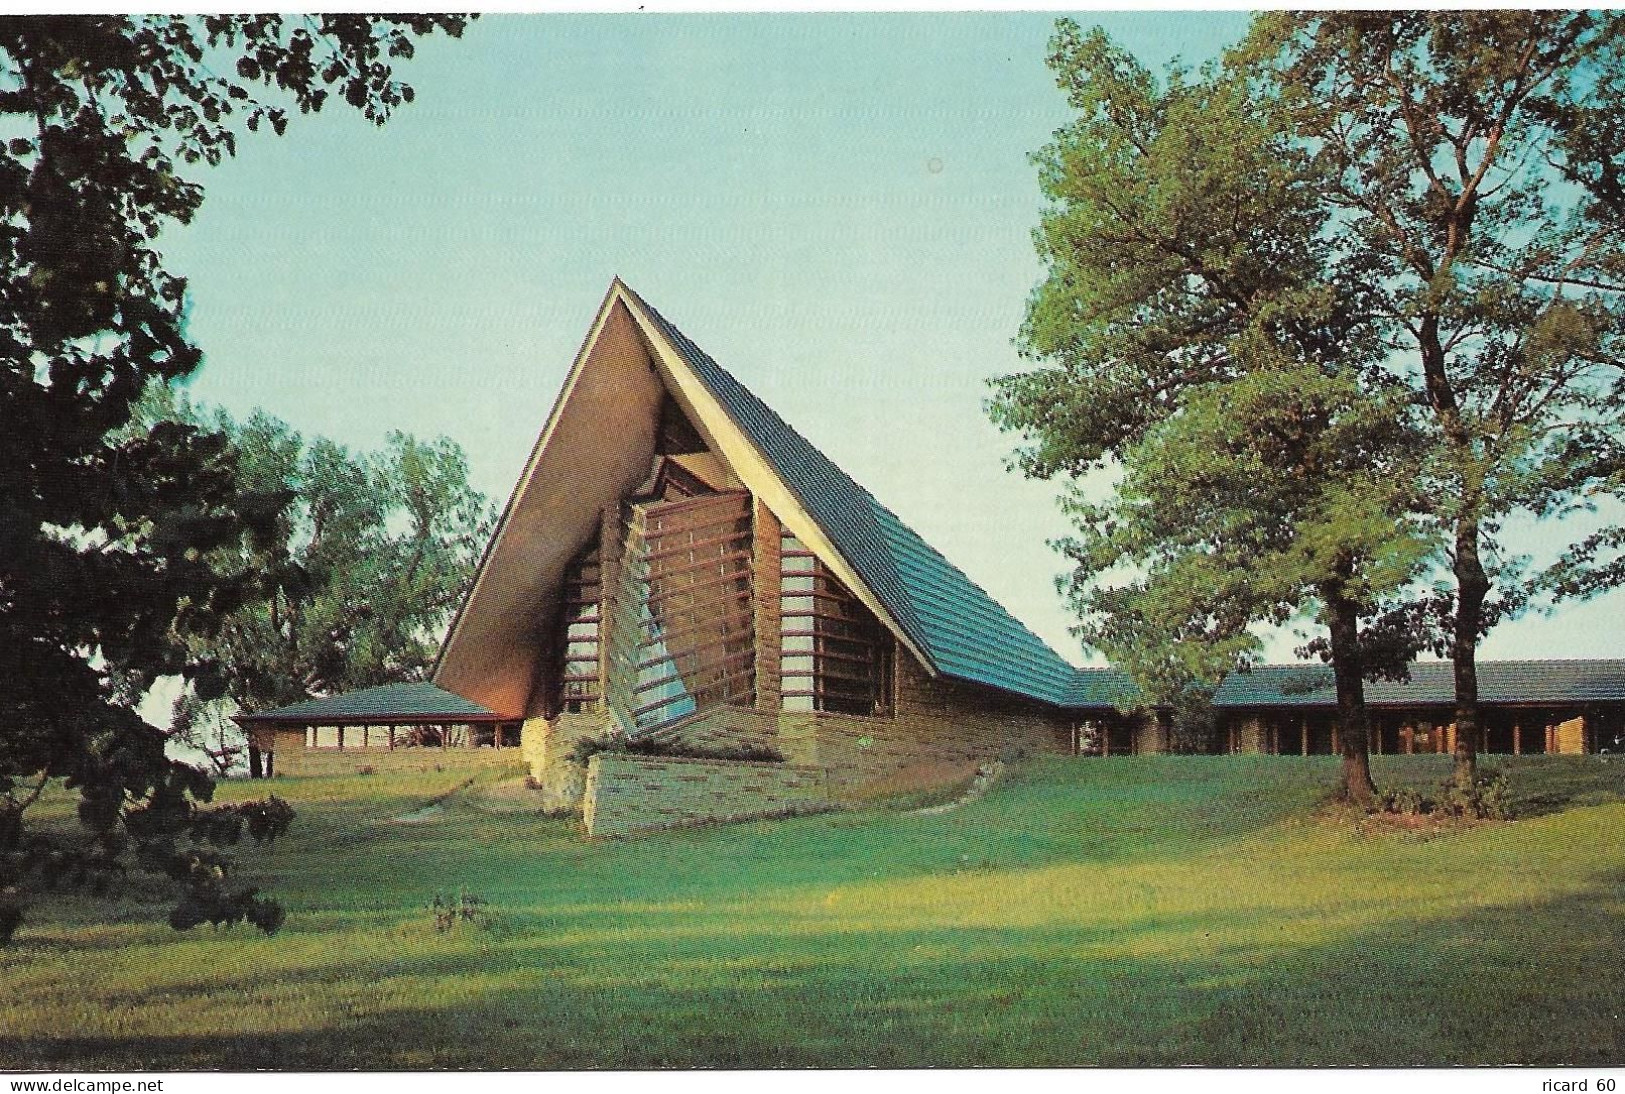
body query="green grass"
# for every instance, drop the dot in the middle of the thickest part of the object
(1126, 912)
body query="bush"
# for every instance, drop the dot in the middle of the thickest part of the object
(588, 747)
(1485, 800)
(452, 909)
(645, 746)
(1404, 800)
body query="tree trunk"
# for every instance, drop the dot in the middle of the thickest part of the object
(1348, 669)
(254, 770)
(1472, 586)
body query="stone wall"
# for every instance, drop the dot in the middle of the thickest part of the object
(937, 722)
(547, 746)
(628, 794)
(1568, 737)
(293, 759)
(1251, 735)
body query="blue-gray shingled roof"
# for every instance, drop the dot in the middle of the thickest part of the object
(416, 701)
(964, 632)
(1095, 689)
(1431, 684)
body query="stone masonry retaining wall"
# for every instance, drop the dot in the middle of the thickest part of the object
(629, 794)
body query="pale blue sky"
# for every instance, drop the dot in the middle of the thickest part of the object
(837, 207)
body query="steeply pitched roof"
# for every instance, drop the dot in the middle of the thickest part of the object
(1431, 684)
(418, 701)
(965, 633)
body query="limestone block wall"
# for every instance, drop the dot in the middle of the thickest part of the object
(628, 794)
(1569, 736)
(729, 727)
(937, 721)
(292, 758)
(1250, 735)
(547, 745)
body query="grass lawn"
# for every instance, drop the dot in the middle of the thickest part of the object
(1124, 912)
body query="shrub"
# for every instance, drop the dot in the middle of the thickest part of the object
(1405, 800)
(452, 909)
(645, 746)
(1485, 800)
(588, 747)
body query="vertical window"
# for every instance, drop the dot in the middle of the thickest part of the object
(577, 633)
(834, 655)
(688, 586)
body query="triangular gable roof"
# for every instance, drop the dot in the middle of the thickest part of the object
(949, 623)
(961, 630)
(412, 702)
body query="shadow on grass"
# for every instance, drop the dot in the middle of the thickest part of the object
(1531, 983)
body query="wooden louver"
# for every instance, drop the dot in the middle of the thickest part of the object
(834, 655)
(683, 640)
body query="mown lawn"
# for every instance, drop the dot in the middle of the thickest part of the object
(1126, 912)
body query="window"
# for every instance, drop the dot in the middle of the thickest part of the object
(577, 633)
(688, 631)
(834, 655)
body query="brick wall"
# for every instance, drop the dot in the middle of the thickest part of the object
(628, 794)
(294, 759)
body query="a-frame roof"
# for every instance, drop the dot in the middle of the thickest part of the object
(950, 624)
(961, 630)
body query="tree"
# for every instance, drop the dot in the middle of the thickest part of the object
(1196, 334)
(1265, 498)
(1473, 161)
(103, 535)
(370, 557)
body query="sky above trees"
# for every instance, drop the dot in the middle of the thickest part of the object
(838, 208)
